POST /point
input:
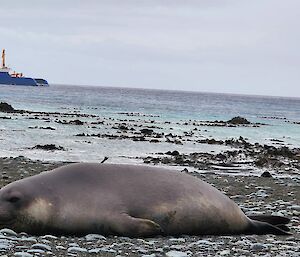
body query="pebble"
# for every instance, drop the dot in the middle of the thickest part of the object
(94, 237)
(225, 252)
(107, 249)
(41, 246)
(266, 174)
(296, 213)
(182, 240)
(27, 239)
(48, 237)
(176, 247)
(262, 193)
(36, 251)
(76, 249)
(59, 247)
(22, 254)
(8, 232)
(21, 244)
(258, 247)
(74, 244)
(103, 249)
(249, 213)
(176, 254)
(295, 207)
(95, 250)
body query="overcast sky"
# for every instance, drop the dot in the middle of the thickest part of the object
(231, 46)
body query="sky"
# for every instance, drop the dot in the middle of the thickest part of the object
(224, 46)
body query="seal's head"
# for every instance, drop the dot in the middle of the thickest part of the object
(22, 208)
(13, 199)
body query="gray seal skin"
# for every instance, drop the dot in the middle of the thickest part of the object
(125, 200)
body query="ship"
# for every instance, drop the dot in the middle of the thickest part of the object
(17, 79)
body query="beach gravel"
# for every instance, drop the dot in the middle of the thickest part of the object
(267, 195)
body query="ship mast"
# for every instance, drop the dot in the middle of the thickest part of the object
(3, 58)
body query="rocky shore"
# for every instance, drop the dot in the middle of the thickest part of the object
(278, 160)
(266, 178)
(255, 195)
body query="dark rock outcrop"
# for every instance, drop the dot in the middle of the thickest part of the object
(238, 120)
(5, 107)
(49, 147)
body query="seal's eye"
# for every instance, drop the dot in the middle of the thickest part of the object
(13, 199)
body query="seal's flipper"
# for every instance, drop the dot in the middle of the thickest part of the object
(283, 227)
(129, 226)
(273, 220)
(262, 228)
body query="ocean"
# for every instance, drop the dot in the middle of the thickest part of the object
(174, 112)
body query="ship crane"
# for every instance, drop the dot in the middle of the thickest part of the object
(3, 59)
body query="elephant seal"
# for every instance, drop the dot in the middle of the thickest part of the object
(125, 200)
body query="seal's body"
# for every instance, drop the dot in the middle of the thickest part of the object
(127, 200)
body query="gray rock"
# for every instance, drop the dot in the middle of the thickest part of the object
(60, 247)
(41, 246)
(295, 207)
(258, 247)
(8, 232)
(28, 239)
(149, 255)
(33, 251)
(102, 249)
(75, 249)
(176, 254)
(224, 252)
(22, 254)
(49, 237)
(94, 237)
(181, 240)
(74, 244)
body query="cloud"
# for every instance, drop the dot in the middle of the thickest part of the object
(169, 43)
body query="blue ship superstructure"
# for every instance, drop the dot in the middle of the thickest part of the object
(17, 78)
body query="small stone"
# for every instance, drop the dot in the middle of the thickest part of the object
(8, 232)
(103, 249)
(107, 249)
(60, 248)
(95, 250)
(225, 252)
(22, 254)
(296, 213)
(266, 174)
(41, 246)
(49, 237)
(74, 244)
(295, 207)
(258, 247)
(77, 249)
(181, 240)
(28, 240)
(176, 254)
(93, 237)
(35, 251)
